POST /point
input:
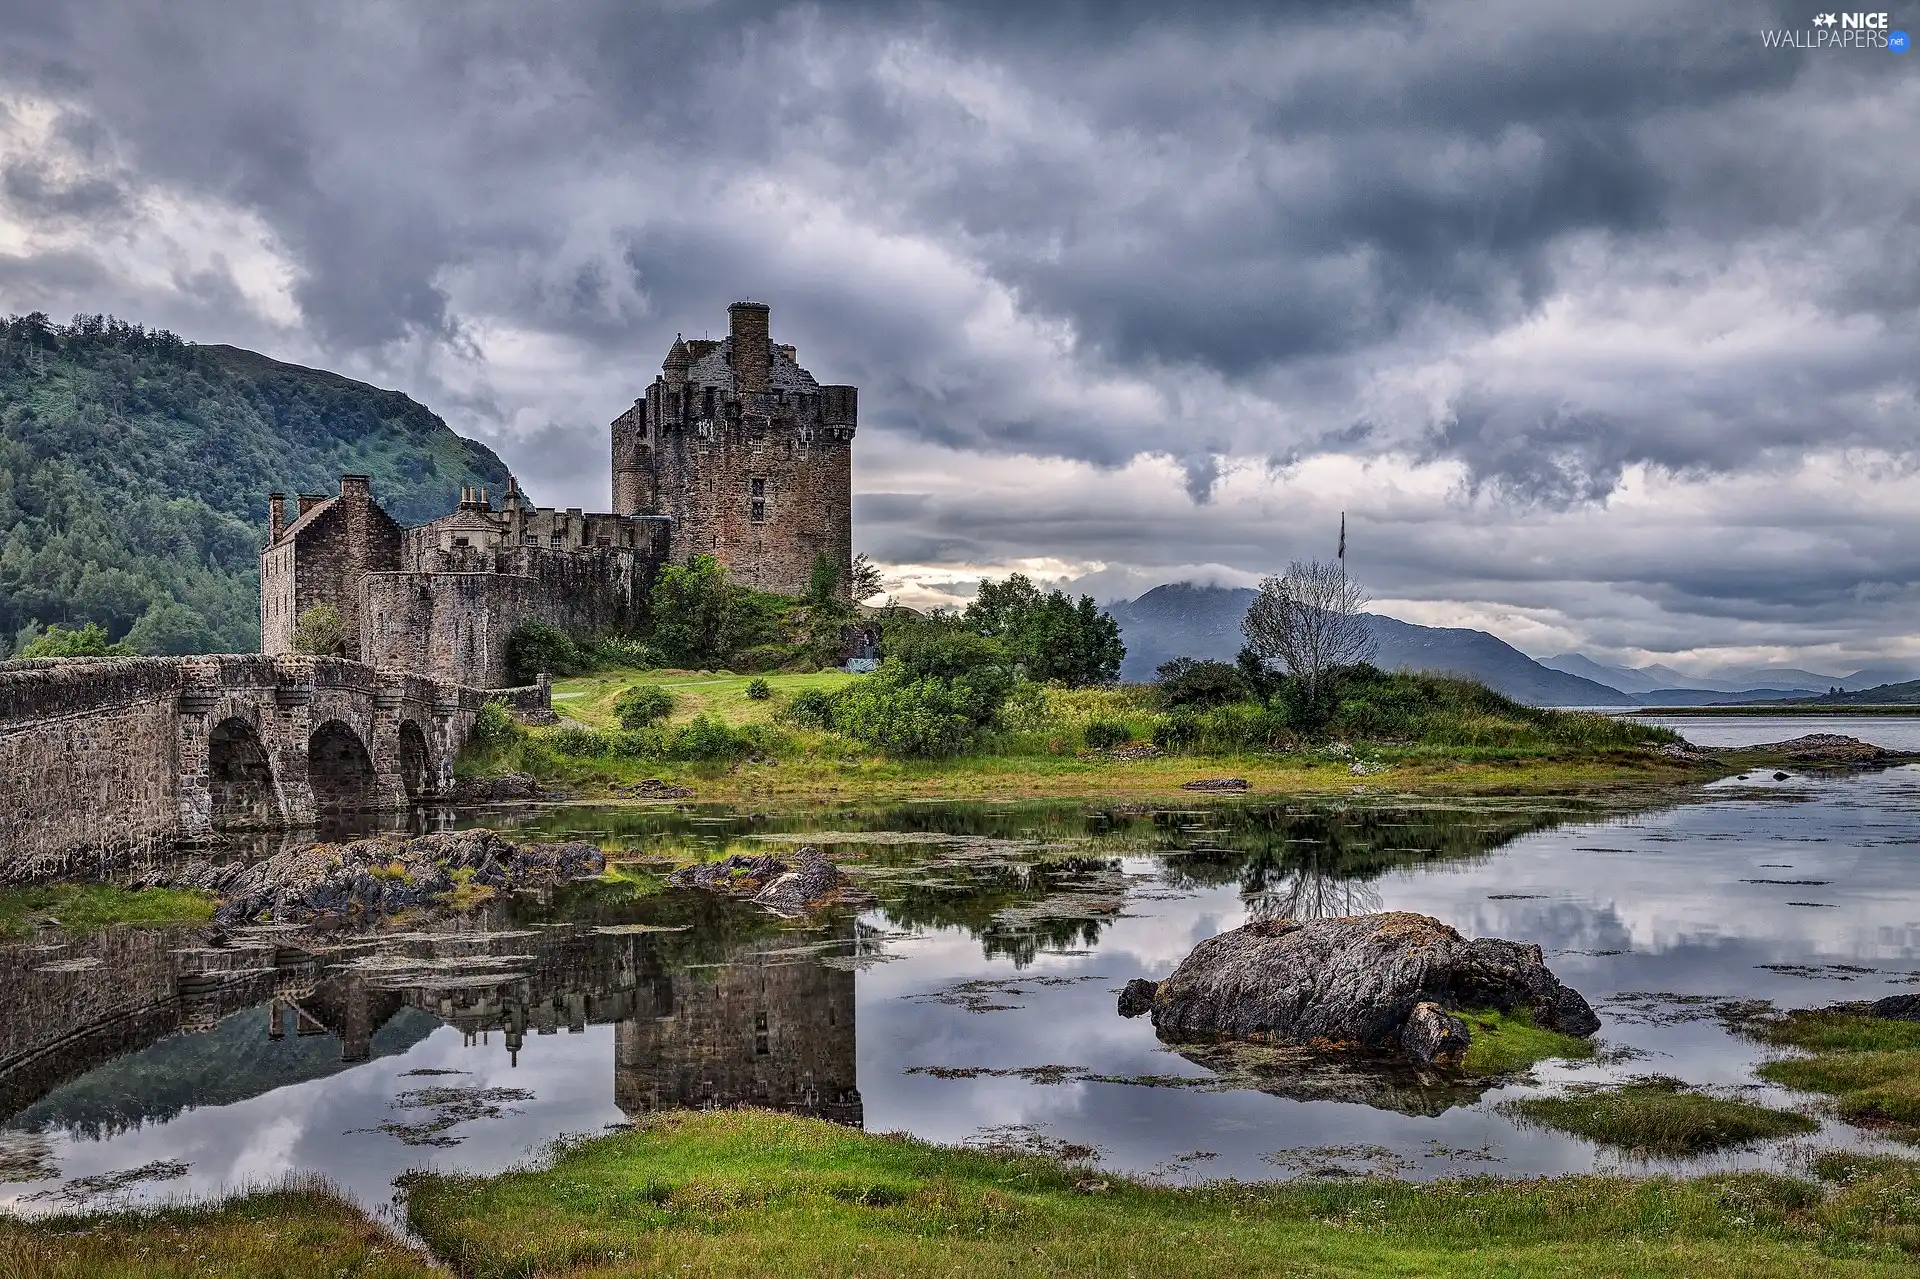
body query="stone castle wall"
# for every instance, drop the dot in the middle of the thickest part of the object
(456, 625)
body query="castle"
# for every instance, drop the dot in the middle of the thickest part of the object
(735, 451)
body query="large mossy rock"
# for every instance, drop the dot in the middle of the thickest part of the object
(1385, 983)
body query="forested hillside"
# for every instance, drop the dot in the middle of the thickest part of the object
(134, 469)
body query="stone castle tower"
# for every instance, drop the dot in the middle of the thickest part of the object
(749, 456)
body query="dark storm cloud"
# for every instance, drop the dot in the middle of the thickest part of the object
(1552, 245)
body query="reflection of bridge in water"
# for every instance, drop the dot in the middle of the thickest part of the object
(759, 1027)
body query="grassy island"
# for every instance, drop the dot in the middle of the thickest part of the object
(776, 738)
(754, 1193)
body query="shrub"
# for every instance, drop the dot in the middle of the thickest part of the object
(763, 657)
(759, 690)
(319, 631)
(580, 743)
(1027, 708)
(1104, 735)
(929, 718)
(605, 651)
(641, 705)
(1177, 732)
(536, 647)
(495, 725)
(705, 739)
(810, 708)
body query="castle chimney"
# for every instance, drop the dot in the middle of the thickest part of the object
(747, 326)
(310, 500)
(356, 490)
(276, 516)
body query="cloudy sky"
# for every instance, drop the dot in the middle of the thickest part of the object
(1598, 319)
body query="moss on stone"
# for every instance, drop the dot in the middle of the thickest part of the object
(1509, 1041)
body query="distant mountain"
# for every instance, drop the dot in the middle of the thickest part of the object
(1625, 678)
(1717, 697)
(1184, 620)
(135, 468)
(1873, 677)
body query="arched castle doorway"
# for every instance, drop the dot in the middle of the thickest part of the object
(240, 779)
(340, 770)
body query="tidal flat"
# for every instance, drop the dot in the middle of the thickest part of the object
(970, 1005)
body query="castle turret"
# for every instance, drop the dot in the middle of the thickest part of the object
(752, 355)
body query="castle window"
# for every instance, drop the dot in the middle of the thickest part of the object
(461, 541)
(758, 489)
(757, 511)
(531, 539)
(709, 402)
(760, 1046)
(555, 540)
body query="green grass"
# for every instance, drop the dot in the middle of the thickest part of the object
(752, 1193)
(80, 908)
(1659, 1118)
(292, 1233)
(1869, 1065)
(1506, 1042)
(1039, 754)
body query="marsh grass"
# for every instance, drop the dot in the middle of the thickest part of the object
(294, 1232)
(1659, 1118)
(1869, 1065)
(80, 908)
(754, 1193)
(1506, 1042)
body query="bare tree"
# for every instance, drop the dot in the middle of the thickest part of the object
(1308, 620)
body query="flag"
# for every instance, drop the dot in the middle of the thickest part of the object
(1343, 537)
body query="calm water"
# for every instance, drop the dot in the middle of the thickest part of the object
(973, 1002)
(1895, 732)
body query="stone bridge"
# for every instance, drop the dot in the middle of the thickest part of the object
(103, 758)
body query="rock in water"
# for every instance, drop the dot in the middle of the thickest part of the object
(812, 882)
(1382, 983)
(369, 878)
(809, 882)
(1137, 997)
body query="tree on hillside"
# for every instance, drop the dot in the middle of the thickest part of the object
(693, 607)
(1308, 620)
(80, 641)
(1050, 635)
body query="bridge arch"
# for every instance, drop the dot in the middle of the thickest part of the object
(240, 778)
(340, 770)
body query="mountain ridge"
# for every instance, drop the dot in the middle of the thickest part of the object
(134, 470)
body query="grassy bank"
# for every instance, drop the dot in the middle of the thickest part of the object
(1039, 747)
(294, 1233)
(1870, 1066)
(751, 1193)
(1660, 1119)
(81, 908)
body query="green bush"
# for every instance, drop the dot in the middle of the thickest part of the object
(705, 739)
(319, 631)
(641, 705)
(606, 652)
(536, 647)
(580, 743)
(763, 657)
(759, 690)
(1102, 735)
(928, 718)
(494, 725)
(810, 708)
(1177, 732)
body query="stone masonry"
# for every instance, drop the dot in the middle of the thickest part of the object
(746, 453)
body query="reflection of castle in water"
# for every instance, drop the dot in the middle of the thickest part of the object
(768, 1030)
(758, 1028)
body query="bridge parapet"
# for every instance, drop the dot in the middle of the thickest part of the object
(104, 757)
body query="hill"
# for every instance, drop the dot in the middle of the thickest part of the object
(1184, 620)
(134, 469)
(1907, 694)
